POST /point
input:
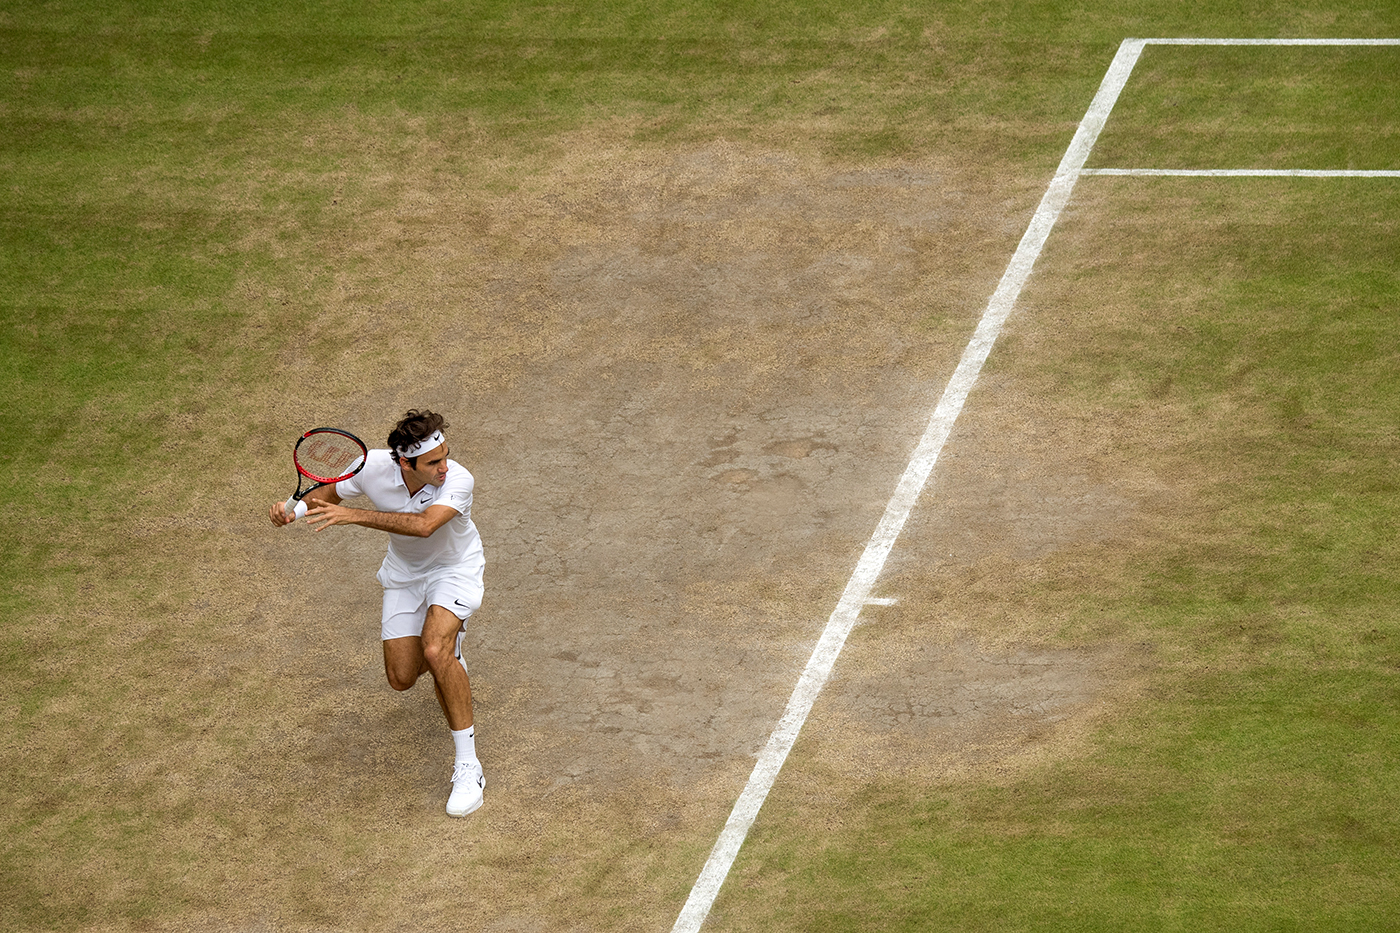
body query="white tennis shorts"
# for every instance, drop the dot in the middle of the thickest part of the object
(406, 607)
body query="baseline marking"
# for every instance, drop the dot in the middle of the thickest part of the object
(1268, 41)
(916, 474)
(1246, 172)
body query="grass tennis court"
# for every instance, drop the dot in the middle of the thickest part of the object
(688, 281)
(1233, 791)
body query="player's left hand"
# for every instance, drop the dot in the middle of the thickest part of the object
(322, 515)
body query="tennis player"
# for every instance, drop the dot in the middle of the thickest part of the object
(432, 574)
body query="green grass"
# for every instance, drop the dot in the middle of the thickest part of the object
(173, 174)
(1279, 368)
(1226, 806)
(514, 74)
(1284, 107)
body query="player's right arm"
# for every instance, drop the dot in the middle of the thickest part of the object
(324, 495)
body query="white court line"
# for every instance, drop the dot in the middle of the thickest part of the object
(1245, 172)
(1255, 173)
(872, 561)
(1267, 41)
(911, 484)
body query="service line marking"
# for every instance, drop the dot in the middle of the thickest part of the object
(916, 474)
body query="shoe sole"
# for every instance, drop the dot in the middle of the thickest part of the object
(470, 810)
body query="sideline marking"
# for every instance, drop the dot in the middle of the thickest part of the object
(916, 474)
(872, 561)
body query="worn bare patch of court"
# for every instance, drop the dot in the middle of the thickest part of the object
(686, 382)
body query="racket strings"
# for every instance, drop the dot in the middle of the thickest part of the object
(326, 457)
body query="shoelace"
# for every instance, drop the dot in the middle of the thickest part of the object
(466, 769)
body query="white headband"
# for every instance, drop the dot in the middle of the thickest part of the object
(421, 447)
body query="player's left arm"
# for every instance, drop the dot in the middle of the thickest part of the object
(414, 524)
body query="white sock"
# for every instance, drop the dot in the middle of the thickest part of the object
(465, 740)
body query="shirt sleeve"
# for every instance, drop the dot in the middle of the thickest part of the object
(347, 488)
(457, 489)
(350, 488)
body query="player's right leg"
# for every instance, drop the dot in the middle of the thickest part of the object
(401, 628)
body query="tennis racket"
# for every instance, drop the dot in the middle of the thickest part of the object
(323, 456)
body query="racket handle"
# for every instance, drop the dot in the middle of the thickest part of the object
(295, 508)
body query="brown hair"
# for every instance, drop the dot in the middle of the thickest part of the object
(413, 427)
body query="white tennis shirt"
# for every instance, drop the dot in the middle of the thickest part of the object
(455, 544)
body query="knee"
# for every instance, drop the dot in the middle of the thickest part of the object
(440, 653)
(401, 677)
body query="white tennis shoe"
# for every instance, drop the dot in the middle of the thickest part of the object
(468, 785)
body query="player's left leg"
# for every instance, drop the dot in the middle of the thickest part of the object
(440, 646)
(440, 630)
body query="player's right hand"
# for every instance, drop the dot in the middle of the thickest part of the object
(279, 516)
